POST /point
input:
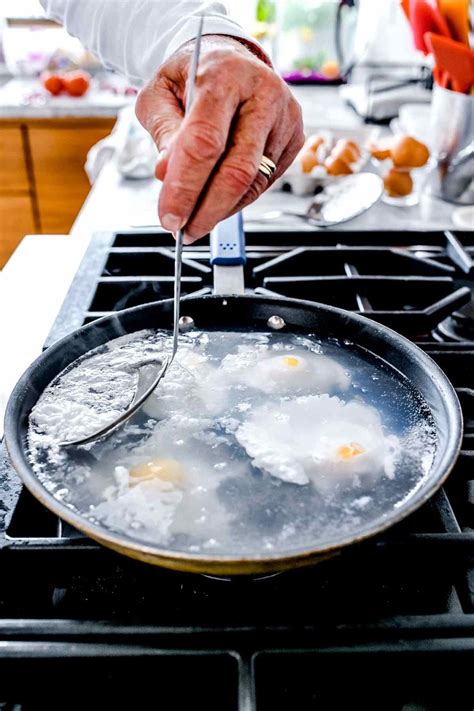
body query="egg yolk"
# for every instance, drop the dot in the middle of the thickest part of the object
(349, 451)
(291, 361)
(166, 470)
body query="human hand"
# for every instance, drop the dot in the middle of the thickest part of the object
(209, 159)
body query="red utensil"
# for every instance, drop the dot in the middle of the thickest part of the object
(426, 18)
(454, 58)
(406, 8)
(441, 78)
(456, 14)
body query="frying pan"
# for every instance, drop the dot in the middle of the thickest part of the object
(247, 312)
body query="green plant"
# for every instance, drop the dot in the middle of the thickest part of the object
(266, 11)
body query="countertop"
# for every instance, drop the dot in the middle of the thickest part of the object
(25, 98)
(35, 280)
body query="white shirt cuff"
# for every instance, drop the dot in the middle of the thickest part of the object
(213, 26)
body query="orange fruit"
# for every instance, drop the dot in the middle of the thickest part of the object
(52, 83)
(330, 69)
(76, 83)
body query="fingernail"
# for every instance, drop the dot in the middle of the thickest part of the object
(188, 239)
(172, 223)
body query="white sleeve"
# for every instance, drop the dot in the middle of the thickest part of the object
(136, 36)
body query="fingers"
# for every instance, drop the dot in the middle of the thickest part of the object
(235, 174)
(197, 148)
(209, 159)
(160, 112)
(288, 155)
(237, 182)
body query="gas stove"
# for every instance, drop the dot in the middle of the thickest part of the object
(85, 626)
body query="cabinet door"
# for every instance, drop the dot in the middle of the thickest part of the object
(13, 174)
(16, 220)
(59, 153)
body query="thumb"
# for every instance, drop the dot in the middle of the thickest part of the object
(161, 113)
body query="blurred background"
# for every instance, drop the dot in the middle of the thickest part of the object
(54, 138)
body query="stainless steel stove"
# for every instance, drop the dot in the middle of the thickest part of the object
(83, 627)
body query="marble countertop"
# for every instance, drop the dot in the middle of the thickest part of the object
(25, 98)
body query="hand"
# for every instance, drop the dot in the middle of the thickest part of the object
(209, 160)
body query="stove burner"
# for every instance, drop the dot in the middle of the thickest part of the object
(457, 327)
(70, 609)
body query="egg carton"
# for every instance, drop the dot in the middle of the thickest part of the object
(301, 184)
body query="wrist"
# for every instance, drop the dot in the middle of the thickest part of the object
(251, 47)
(239, 44)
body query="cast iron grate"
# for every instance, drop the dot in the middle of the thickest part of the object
(388, 609)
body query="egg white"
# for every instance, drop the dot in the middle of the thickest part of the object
(158, 507)
(191, 385)
(285, 371)
(319, 439)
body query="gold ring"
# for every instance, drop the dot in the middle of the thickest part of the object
(267, 167)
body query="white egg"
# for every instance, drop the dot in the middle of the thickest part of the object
(320, 439)
(285, 372)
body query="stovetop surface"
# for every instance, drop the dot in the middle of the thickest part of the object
(399, 607)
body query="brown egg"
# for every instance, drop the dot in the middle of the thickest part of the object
(347, 148)
(407, 152)
(345, 154)
(398, 183)
(308, 160)
(337, 166)
(313, 142)
(380, 150)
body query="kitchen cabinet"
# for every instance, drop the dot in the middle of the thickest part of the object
(42, 179)
(16, 220)
(13, 170)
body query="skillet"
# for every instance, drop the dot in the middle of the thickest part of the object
(249, 313)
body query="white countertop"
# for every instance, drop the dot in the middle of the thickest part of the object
(26, 98)
(35, 280)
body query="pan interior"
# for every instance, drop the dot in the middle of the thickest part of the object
(240, 452)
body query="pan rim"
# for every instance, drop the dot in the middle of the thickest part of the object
(203, 562)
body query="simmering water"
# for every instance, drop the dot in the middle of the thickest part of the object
(253, 444)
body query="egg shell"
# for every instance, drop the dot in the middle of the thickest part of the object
(398, 183)
(346, 149)
(380, 150)
(308, 161)
(407, 152)
(337, 166)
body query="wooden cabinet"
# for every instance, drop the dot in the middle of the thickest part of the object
(58, 151)
(16, 220)
(42, 179)
(13, 171)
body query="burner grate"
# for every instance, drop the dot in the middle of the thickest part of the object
(396, 605)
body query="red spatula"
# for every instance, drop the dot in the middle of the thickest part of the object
(426, 18)
(454, 58)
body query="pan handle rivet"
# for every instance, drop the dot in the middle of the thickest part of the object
(276, 322)
(186, 323)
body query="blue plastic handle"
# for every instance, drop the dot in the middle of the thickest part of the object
(228, 241)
